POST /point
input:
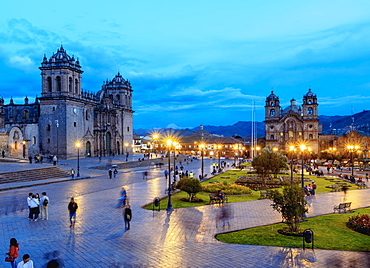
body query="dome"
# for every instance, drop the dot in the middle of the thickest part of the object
(61, 55)
(118, 79)
(309, 94)
(272, 96)
(293, 107)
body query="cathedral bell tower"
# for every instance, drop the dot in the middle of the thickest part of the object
(61, 75)
(310, 105)
(272, 107)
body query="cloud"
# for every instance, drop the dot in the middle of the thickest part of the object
(20, 61)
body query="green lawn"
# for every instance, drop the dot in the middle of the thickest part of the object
(330, 232)
(233, 176)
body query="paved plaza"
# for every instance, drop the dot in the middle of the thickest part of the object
(183, 238)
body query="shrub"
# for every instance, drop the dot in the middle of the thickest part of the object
(360, 223)
(191, 186)
(228, 189)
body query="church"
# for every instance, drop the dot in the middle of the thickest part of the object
(66, 119)
(294, 124)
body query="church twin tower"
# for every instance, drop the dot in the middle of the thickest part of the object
(292, 125)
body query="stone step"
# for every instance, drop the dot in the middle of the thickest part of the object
(33, 174)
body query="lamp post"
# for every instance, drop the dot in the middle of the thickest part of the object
(126, 145)
(169, 204)
(291, 149)
(202, 153)
(78, 145)
(303, 148)
(352, 149)
(219, 157)
(24, 148)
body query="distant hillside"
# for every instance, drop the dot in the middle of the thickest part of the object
(337, 124)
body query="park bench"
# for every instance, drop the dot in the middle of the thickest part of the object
(335, 187)
(343, 207)
(213, 199)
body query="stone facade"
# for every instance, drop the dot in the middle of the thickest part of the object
(65, 114)
(294, 124)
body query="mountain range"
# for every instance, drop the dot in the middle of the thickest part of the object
(337, 124)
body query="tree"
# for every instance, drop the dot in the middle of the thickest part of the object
(269, 162)
(291, 204)
(191, 186)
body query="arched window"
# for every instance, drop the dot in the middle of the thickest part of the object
(87, 115)
(34, 140)
(70, 84)
(272, 112)
(310, 136)
(49, 84)
(16, 145)
(48, 140)
(76, 86)
(88, 149)
(118, 97)
(26, 115)
(310, 111)
(59, 83)
(272, 137)
(272, 103)
(48, 128)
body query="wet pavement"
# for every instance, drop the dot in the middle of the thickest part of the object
(183, 238)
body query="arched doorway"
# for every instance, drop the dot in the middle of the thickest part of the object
(108, 146)
(88, 149)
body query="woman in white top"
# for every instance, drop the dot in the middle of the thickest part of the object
(34, 204)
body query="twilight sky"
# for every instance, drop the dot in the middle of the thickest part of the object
(196, 62)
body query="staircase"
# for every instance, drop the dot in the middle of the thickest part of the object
(33, 175)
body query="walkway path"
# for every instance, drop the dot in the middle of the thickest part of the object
(183, 238)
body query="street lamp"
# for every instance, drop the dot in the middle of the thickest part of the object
(24, 148)
(352, 149)
(78, 145)
(169, 204)
(155, 137)
(126, 145)
(303, 148)
(201, 146)
(219, 147)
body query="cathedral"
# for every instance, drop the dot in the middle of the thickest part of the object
(294, 124)
(66, 119)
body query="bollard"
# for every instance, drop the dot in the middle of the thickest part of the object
(156, 203)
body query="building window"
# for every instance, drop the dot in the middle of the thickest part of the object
(128, 128)
(76, 86)
(310, 111)
(53, 109)
(310, 136)
(272, 137)
(34, 140)
(291, 134)
(48, 140)
(272, 103)
(48, 128)
(281, 133)
(16, 145)
(49, 84)
(87, 115)
(74, 124)
(59, 83)
(70, 84)
(272, 112)
(26, 115)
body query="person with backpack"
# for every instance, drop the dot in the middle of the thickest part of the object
(44, 203)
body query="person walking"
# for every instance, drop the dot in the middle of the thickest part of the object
(115, 172)
(13, 252)
(34, 203)
(26, 263)
(166, 173)
(30, 158)
(72, 207)
(127, 216)
(110, 172)
(123, 198)
(72, 173)
(44, 206)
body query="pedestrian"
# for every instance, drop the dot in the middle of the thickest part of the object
(127, 216)
(115, 172)
(110, 172)
(29, 205)
(72, 173)
(13, 252)
(3, 153)
(166, 173)
(44, 206)
(314, 186)
(26, 263)
(72, 207)
(123, 197)
(30, 158)
(55, 159)
(34, 204)
(367, 177)
(38, 209)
